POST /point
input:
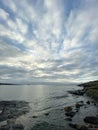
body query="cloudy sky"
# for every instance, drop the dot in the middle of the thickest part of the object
(48, 40)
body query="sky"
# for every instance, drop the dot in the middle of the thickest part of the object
(48, 41)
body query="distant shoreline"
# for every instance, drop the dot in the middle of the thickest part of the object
(8, 84)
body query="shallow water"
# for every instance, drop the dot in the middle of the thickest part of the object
(45, 99)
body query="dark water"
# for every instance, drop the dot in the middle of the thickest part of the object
(45, 99)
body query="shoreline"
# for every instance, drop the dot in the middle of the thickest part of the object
(67, 117)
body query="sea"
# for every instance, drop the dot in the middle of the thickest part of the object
(47, 103)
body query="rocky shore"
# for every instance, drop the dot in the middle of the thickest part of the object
(91, 122)
(68, 117)
(91, 89)
(10, 111)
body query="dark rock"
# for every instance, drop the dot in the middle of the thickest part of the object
(3, 128)
(13, 127)
(68, 119)
(72, 125)
(88, 102)
(11, 109)
(83, 128)
(77, 92)
(78, 126)
(18, 127)
(91, 119)
(46, 114)
(68, 109)
(91, 89)
(70, 114)
(34, 116)
(78, 105)
(47, 126)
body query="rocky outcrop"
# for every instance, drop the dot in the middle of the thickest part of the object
(91, 89)
(11, 109)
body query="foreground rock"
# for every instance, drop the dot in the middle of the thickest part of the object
(78, 127)
(91, 119)
(13, 127)
(47, 126)
(11, 109)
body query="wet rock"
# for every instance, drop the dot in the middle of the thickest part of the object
(34, 116)
(47, 126)
(13, 127)
(78, 126)
(88, 102)
(68, 119)
(11, 109)
(78, 105)
(4, 128)
(18, 127)
(77, 92)
(72, 125)
(91, 119)
(68, 109)
(70, 114)
(83, 128)
(46, 114)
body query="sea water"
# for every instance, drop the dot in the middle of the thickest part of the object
(44, 99)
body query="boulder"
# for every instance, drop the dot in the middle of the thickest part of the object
(68, 109)
(91, 119)
(70, 114)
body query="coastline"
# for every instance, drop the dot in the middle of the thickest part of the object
(61, 118)
(91, 89)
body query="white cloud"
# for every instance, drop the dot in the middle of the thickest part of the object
(21, 26)
(3, 14)
(46, 43)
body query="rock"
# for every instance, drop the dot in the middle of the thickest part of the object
(91, 89)
(18, 127)
(88, 102)
(46, 114)
(68, 119)
(83, 128)
(72, 125)
(78, 126)
(11, 109)
(77, 92)
(70, 114)
(34, 116)
(68, 109)
(78, 105)
(91, 119)
(47, 126)
(13, 127)
(4, 128)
